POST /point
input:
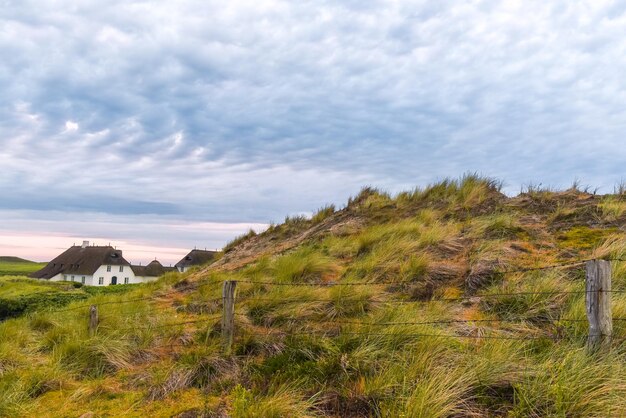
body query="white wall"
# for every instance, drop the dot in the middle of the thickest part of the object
(56, 278)
(73, 277)
(144, 279)
(115, 271)
(93, 280)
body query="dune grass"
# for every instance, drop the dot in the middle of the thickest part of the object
(613, 207)
(381, 321)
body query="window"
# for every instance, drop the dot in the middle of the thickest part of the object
(82, 280)
(72, 277)
(125, 280)
(101, 280)
(65, 277)
(108, 268)
(121, 269)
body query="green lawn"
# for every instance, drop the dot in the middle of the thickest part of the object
(19, 294)
(14, 266)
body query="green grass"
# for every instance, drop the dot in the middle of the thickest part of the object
(583, 237)
(19, 294)
(613, 207)
(14, 266)
(323, 213)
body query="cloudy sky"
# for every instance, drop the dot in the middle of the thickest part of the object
(161, 125)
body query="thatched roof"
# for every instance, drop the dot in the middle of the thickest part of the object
(154, 269)
(196, 258)
(81, 260)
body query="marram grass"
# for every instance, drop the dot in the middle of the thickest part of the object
(409, 335)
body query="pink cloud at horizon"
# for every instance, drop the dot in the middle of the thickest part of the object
(42, 236)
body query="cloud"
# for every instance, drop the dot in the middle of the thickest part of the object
(71, 126)
(246, 111)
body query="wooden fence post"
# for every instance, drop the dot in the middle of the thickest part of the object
(93, 320)
(598, 298)
(228, 318)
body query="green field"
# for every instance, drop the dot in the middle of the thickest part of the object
(19, 294)
(15, 266)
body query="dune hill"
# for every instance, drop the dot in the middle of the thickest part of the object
(449, 301)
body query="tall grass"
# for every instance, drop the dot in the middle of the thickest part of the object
(284, 401)
(304, 265)
(239, 240)
(323, 213)
(380, 349)
(466, 192)
(612, 207)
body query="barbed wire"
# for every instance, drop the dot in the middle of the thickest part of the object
(388, 334)
(451, 299)
(431, 322)
(363, 323)
(434, 321)
(195, 321)
(392, 282)
(217, 299)
(73, 308)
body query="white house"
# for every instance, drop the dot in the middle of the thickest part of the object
(98, 266)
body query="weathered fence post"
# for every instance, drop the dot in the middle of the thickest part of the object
(598, 298)
(93, 320)
(228, 319)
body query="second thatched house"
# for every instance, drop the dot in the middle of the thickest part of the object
(195, 258)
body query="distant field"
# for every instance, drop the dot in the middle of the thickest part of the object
(15, 266)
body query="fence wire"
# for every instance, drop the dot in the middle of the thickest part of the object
(253, 298)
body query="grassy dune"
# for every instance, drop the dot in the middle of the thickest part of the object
(378, 345)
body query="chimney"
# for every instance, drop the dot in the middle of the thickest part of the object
(85, 244)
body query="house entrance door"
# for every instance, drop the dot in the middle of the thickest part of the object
(114, 280)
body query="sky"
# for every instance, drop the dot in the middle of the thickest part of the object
(161, 126)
